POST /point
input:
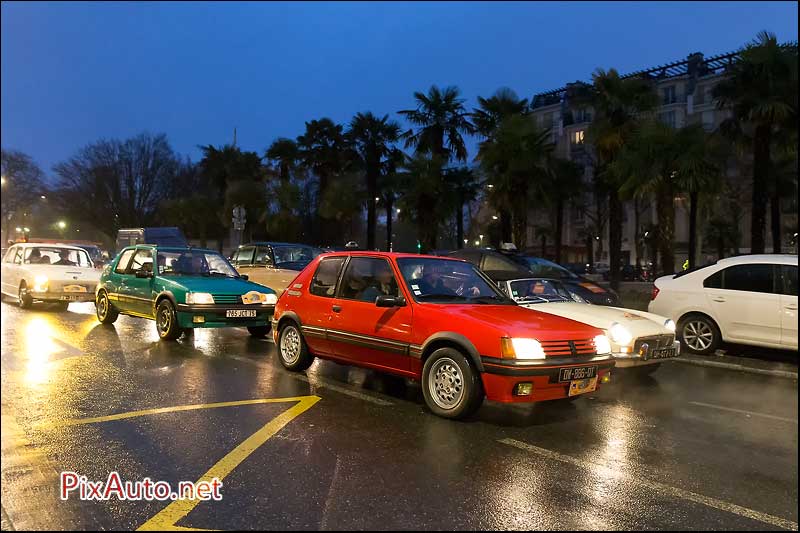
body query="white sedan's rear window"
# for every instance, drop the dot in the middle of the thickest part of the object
(53, 255)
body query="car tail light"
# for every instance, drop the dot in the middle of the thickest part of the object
(654, 293)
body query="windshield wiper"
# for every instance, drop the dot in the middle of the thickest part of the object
(216, 273)
(486, 299)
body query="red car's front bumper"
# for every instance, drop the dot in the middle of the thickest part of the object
(501, 377)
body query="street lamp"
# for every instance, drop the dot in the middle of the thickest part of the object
(62, 224)
(490, 186)
(27, 230)
(19, 230)
(477, 243)
(466, 241)
(43, 197)
(494, 217)
(398, 211)
(2, 180)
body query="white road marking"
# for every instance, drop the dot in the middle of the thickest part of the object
(320, 383)
(748, 413)
(667, 490)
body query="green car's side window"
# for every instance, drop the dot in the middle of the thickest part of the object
(124, 259)
(142, 260)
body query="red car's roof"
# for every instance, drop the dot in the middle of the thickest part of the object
(395, 255)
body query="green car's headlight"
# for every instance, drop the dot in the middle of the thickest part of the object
(199, 298)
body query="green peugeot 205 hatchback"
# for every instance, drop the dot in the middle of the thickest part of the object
(182, 288)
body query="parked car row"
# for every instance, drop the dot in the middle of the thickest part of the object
(471, 325)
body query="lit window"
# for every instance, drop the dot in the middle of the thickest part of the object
(577, 137)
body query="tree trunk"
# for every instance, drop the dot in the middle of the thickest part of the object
(559, 227)
(544, 244)
(693, 199)
(505, 226)
(590, 249)
(720, 247)
(775, 221)
(372, 192)
(614, 237)
(460, 223)
(665, 208)
(761, 162)
(389, 209)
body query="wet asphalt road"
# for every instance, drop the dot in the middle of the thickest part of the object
(689, 448)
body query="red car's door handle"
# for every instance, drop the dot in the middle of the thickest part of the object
(336, 308)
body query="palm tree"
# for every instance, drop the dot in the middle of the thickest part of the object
(441, 121)
(373, 139)
(389, 184)
(502, 104)
(566, 181)
(761, 90)
(423, 189)
(517, 156)
(285, 154)
(697, 172)
(463, 186)
(325, 152)
(617, 104)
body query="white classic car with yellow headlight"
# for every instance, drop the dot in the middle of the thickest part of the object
(55, 273)
(638, 338)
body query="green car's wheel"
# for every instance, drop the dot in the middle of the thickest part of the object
(259, 331)
(106, 313)
(167, 321)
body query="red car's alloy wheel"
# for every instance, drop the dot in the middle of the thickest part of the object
(447, 385)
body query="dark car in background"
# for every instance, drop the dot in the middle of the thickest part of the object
(273, 264)
(502, 266)
(162, 236)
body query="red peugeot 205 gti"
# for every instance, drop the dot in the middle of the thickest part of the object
(436, 320)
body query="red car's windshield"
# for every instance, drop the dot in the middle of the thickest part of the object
(447, 281)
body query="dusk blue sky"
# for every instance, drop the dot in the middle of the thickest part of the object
(73, 73)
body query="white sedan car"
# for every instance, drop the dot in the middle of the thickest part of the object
(748, 299)
(638, 339)
(55, 273)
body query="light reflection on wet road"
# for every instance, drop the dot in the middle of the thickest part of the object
(687, 448)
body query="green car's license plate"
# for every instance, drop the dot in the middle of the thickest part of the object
(240, 313)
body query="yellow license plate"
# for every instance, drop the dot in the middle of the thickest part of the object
(582, 386)
(74, 288)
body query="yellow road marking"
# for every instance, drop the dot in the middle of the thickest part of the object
(175, 409)
(167, 518)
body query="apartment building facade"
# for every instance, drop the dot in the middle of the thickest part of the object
(685, 90)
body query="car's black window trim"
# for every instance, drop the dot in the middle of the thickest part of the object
(338, 276)
(122, 261)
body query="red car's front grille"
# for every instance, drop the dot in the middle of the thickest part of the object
(569, 348)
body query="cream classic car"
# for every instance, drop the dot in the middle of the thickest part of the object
(54, 273)
(638, 338)
(273, 264)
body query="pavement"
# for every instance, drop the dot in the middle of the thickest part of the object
(690, 447)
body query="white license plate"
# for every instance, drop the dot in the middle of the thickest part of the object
(68, 298)
(240, 313)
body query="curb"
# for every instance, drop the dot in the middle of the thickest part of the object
(741, 368)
